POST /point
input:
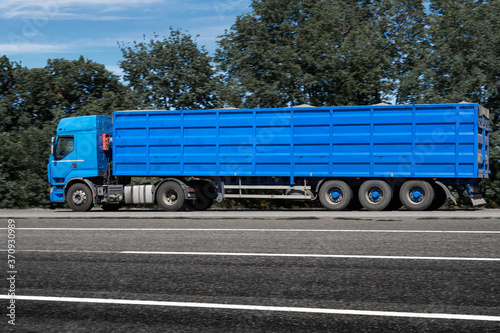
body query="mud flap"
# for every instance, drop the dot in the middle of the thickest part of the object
(477, 202)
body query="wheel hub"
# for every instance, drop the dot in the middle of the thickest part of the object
(79, 197)
(336, 195)
(171, 197)
(417, 194)
(375, 194)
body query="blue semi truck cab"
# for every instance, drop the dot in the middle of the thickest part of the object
(375, 157)
(78, 153)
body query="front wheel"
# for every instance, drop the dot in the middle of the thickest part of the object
(79, 198)
(335, 195)
(170, 196)
(416, 195)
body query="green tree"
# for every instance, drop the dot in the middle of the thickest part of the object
(319, 52)
(170, 73)
(403, 25)
(64, 88)
(31, 103)
(23, 159)
(464, 65)
(9, 115)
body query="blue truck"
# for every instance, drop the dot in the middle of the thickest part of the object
(377, 157)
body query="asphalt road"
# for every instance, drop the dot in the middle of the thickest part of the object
(252, 271)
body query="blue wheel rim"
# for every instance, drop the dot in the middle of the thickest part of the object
(375, 194)
(417, 194)
(335, 195)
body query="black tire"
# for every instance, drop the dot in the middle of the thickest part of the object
(335, 195)
(439, 198)
(202, 201)
(375, 195)
(111, 207)
(416, 195)
(209, 190)
(79, 198)
(170, 196)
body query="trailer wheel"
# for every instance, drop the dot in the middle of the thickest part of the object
(375, 194)
(439, 198)
(416, 195)
(79, 198)
(335, 195)
(170, 196)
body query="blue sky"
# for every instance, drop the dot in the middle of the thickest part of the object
(36, 30)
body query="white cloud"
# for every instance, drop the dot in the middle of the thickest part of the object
(67, 9)
(222, 6)
(77, 45)
(50, 8)
(54, 3)
(22, 48)
(42, 17)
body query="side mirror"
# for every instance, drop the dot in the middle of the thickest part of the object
(52, 146)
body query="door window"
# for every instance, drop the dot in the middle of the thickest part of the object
(64, 147)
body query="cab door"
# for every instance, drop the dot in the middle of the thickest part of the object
(64, 161)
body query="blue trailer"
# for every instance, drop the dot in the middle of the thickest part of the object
(377, 157)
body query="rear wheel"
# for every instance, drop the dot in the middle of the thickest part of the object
(170, 196)
(439, 198)
(375, 194)
(209, 190)
(416, 195)
(204, 195)
(335, 195)
(79, 198)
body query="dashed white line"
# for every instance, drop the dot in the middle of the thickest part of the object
(448, 316)
(290, 255)
(269, 230)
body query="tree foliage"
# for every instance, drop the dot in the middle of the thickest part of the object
(170, 73)
(464, 65)
(32, 101)
(320, 52)
(463, 61)
(9, 114)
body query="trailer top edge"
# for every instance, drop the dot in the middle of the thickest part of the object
(481, 110)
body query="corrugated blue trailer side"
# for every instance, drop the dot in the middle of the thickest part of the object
(411, 141)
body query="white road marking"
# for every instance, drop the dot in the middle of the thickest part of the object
(268, 230)
(310, 255)
(449, 316)
(290, 255)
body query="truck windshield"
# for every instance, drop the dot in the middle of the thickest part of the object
(64, 147)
